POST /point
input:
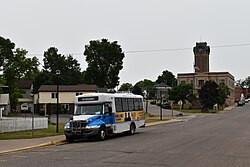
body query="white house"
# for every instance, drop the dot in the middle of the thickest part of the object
(46, 99)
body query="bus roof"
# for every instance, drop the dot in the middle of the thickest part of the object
(105, 96)
(112, 95)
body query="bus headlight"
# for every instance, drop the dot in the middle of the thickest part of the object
(93, 127)
(67, 126)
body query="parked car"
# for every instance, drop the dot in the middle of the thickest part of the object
(25, 108)
(153, 102)
(166, 106)
(240, 103)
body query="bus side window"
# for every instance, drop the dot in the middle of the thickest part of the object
(118, 104)
(131, 104)
(140, 104)
(136, 104)
(125, 104)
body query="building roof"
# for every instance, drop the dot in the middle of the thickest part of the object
(3, 86)
(161, 86)
(68, 88)
(24, 84)
(205, 74)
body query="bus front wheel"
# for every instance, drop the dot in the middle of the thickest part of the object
(102, 133)
(70, 139)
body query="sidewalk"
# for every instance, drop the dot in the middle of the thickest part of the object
(8, 146)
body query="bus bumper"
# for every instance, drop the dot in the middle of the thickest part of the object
(83, 133)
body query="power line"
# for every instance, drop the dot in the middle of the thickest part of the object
(235, 45)
(159, 50)
(153, 50)
(181, 49)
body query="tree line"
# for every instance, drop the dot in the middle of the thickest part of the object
(104, 58)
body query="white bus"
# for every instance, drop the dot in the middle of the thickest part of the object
(101, 114)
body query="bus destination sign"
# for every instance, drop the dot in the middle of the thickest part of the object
(93, 98)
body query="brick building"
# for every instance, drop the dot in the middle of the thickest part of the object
(202, 74)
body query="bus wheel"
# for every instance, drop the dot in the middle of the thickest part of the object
(102, 133)
(132, 129)
(70, 139)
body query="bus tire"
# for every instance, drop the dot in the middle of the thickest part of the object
(132, 128)
(102, 134)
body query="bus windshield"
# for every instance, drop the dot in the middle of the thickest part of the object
(89, 109)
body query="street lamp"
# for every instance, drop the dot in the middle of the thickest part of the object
(58, 72)
(161, 106)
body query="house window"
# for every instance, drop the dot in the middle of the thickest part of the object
(201, 83)
(65, 106)
(53, 95)
(79, 93)
(192, 82)
(183, 82)
(222, 81)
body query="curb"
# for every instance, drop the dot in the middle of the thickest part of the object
(164, 122)
(36, 146)
(64, 141)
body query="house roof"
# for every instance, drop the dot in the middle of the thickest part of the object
(3, 86)
(24, 84)
(68, 88)
(162, 85)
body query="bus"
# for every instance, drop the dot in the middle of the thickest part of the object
(102, 114)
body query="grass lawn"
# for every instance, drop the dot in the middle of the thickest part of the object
(188, 109)
(51, 131)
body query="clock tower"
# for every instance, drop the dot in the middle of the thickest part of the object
(201, 57)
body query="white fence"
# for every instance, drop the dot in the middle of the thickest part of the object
(12, 124)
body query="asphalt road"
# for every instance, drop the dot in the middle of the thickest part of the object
(221, 140)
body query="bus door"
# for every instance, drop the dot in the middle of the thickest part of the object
(108, 116)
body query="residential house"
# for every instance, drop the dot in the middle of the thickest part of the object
(26, 87)
(162, 90)
(4, 102)
(46, 99)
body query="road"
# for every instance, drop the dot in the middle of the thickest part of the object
(208, 140)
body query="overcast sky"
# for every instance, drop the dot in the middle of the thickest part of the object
(137, 25)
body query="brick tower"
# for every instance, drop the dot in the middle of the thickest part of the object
(201, 57)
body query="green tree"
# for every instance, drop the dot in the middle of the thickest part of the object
(125, 87)
(70, 71)
(105, 60)
(42, 78)
(137, 90)
(224, 92)
(241, 83)
(167, 77)
(209, 95)
(183, 92)
(20, 66)
(3, 82)
(147, 85)
(6, 51)
(17, 67)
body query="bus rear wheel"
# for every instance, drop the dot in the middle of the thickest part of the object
(132, 129)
